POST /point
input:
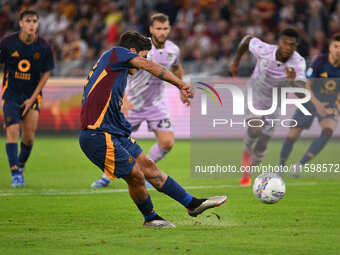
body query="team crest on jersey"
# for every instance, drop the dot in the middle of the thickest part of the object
(15, 54)
(130, 159)
(170, 57)
(36, 55)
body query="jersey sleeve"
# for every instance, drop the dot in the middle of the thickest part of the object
(300, 69)
(259, 48)
(48, 61)
(124, 55)
(313, 69)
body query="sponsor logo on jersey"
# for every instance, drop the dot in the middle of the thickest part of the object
(24, 66)
(330, 85)
(15, 54)
(324, 75)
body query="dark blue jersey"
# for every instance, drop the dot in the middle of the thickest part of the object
(325, 79)
(24, 65)
(104, 92)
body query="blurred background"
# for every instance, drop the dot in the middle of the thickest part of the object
(207, 32)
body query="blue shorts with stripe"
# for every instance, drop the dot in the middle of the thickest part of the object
(114, 155)
(13, 111)
(305, 121)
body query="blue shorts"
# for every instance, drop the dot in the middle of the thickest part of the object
(305, 121)
(114, 155)
(13, 111)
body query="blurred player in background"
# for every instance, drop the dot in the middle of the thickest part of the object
(105, 132)
(277, 66)
(323, 84)
(144, 93)
(28, 63)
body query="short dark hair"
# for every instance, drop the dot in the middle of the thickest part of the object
(161, 17)
(135, 40)
(335, 37)
(290, 32)
(28, 12)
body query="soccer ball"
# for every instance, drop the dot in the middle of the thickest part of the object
(269, 188)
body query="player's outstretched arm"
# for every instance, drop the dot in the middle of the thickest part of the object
(162, 73)
(178, 72)
(42, 82)
(241, 49)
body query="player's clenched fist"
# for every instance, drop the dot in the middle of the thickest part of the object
(233, 69)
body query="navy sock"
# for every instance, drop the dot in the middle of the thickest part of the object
(316, 146)
(146, 208)
(286, 150)
(176, 191)
(12, 154)
(24, 153)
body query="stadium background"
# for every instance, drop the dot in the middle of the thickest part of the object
(207, 32)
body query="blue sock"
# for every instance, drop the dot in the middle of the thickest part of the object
(24, 153)
(12, 154)
(286, 150)
(146, 208)
(176, 191)
(317, 145)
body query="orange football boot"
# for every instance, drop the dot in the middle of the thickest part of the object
(246, 175)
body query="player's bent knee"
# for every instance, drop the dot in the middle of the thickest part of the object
(291, 139)
(12, 133)
(328, 132)
(150, 168)
(135, 177)
(28, 141)
(294, 134)
(261, 146)
(167, 144)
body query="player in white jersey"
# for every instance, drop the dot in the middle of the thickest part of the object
(144, 93)
(276, 66)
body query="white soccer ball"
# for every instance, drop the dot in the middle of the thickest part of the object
(269, 188)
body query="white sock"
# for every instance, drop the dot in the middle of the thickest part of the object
(106, 177)
(156, 152)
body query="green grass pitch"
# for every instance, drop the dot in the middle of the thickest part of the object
(57, 213)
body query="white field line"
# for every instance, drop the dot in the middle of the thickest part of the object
(60, 192)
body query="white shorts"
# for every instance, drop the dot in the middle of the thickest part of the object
(157, 118)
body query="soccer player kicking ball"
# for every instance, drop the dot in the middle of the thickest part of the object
(28, 63)
(324, 89)
(105, 133)
(277, 66)
(144, 93)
